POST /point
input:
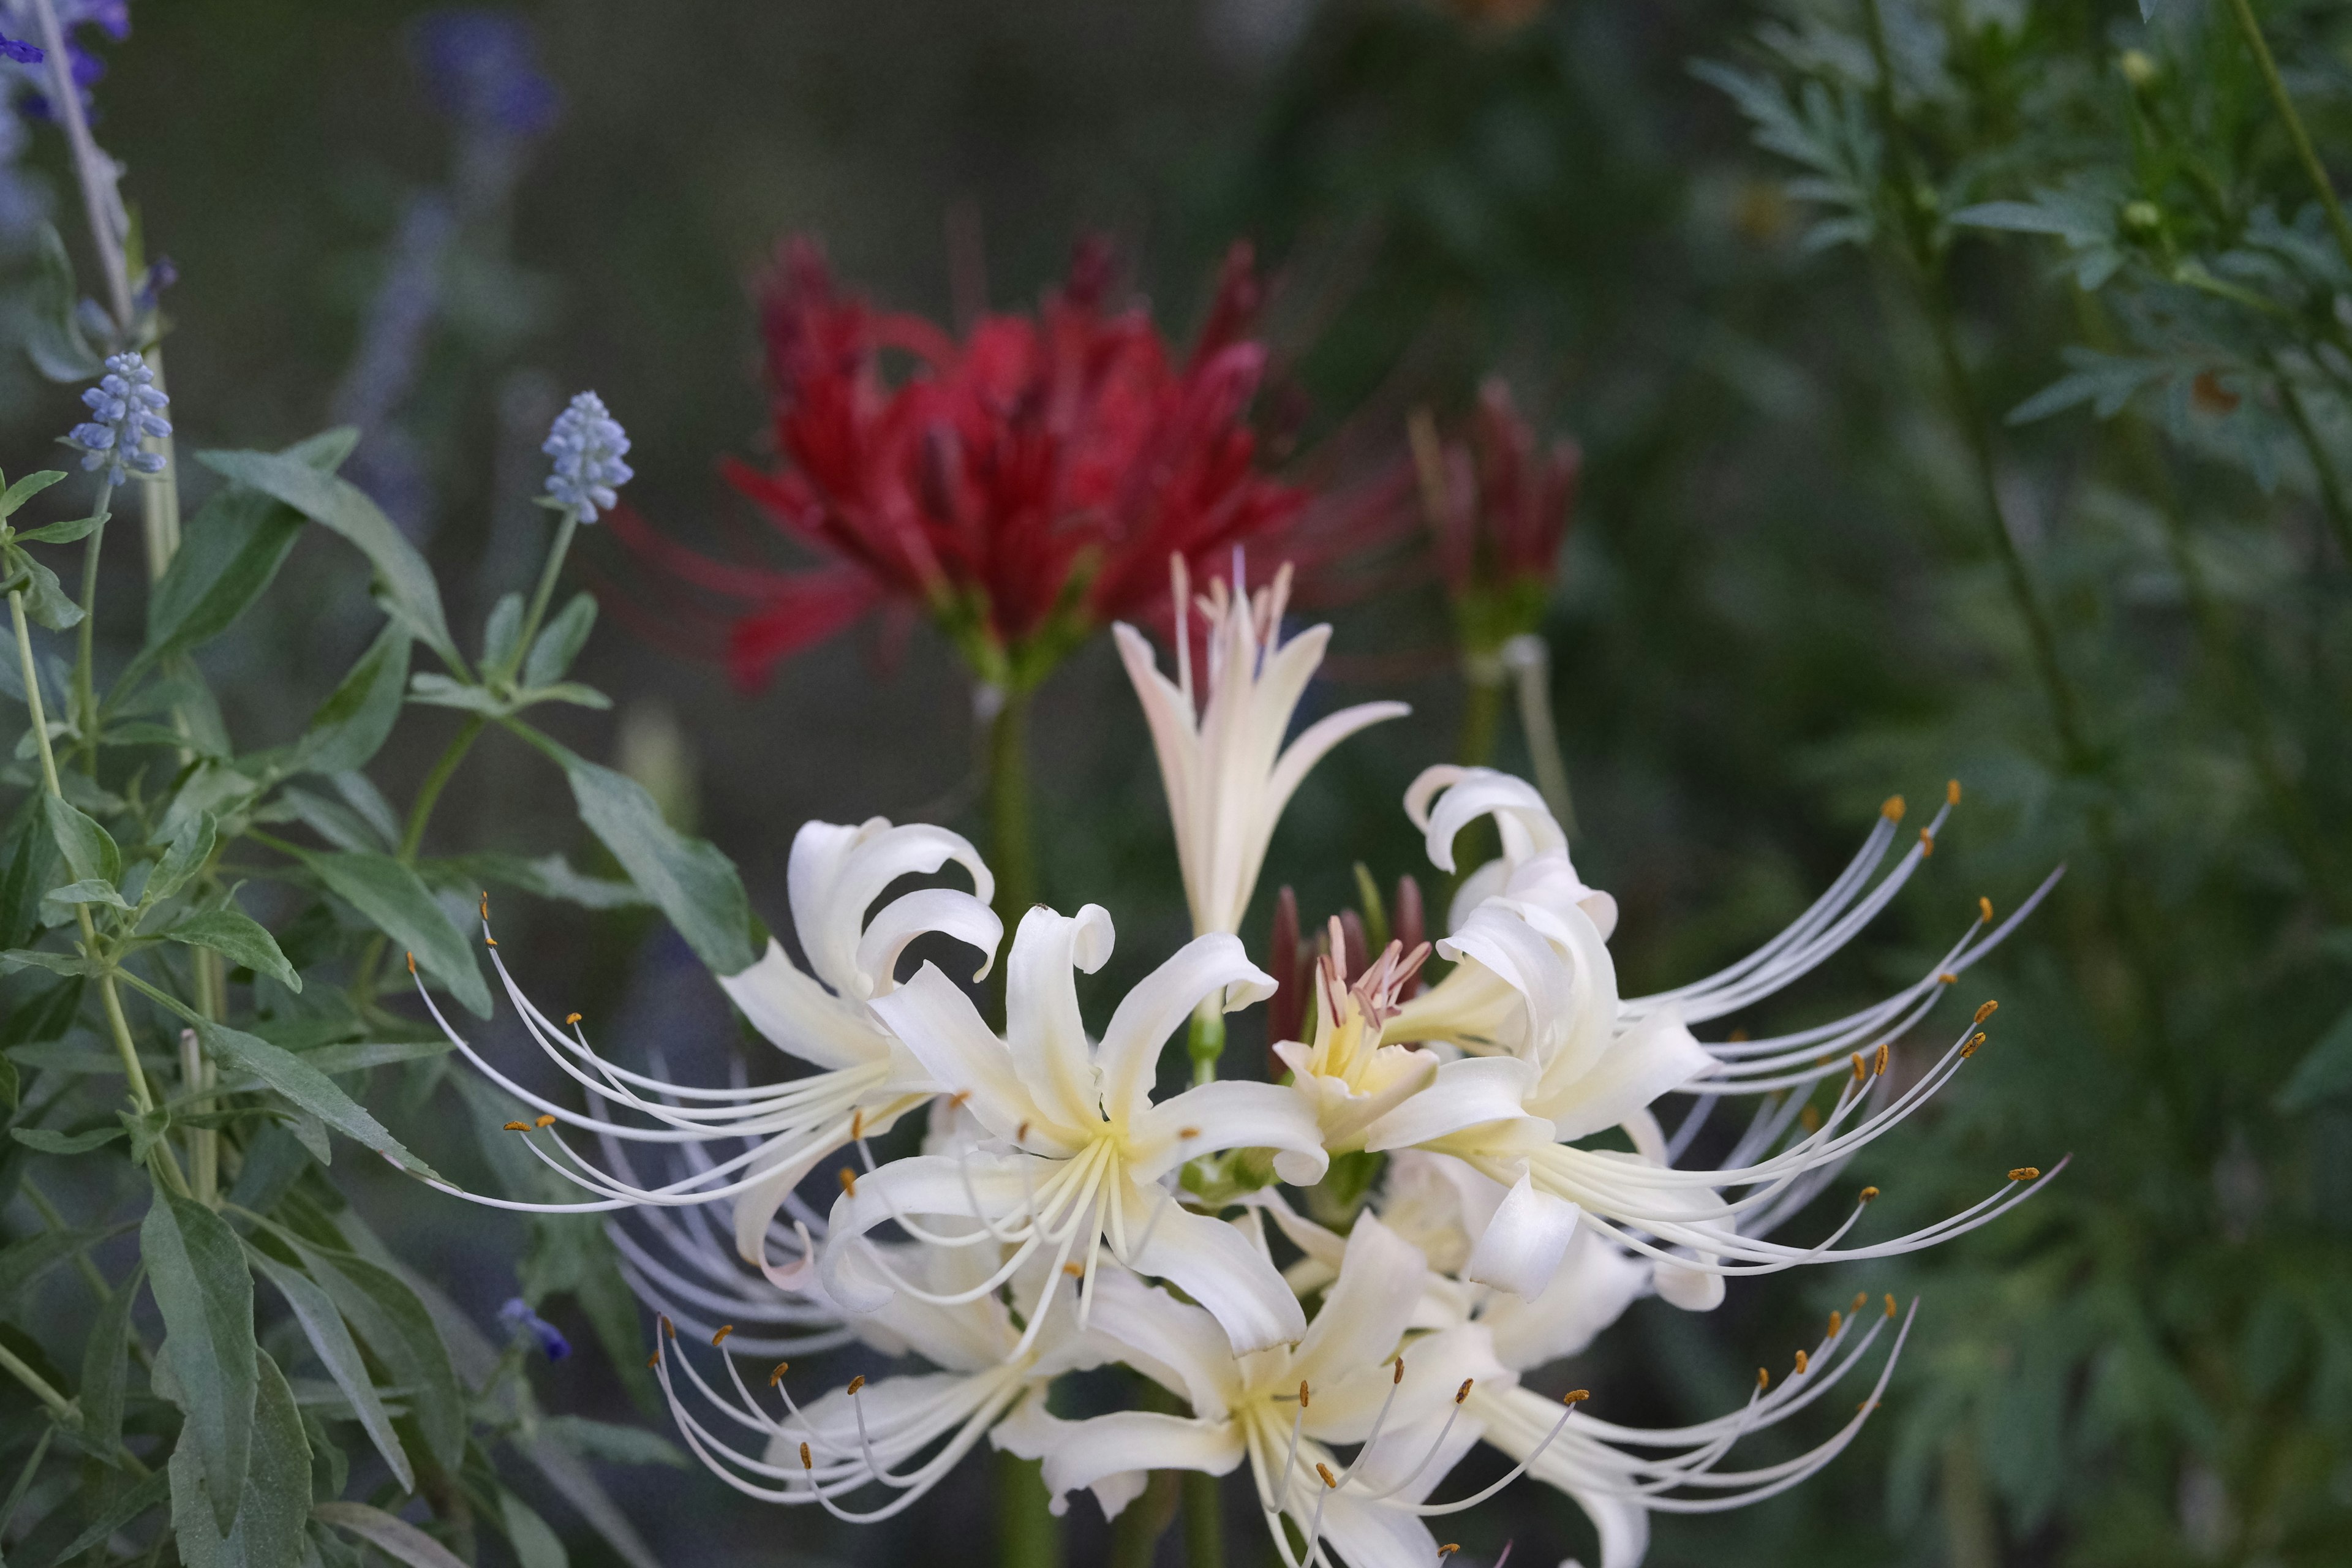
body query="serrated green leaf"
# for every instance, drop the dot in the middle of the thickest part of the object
(343, 507)
(88, 850)
(188, 854)
(50, 1142)
(394, 1325)
(14, 498)
(396, 1538)
(688, 880)
(389, 896)
(330, 1340)
(353, 723)
(196, 1268)
(275, 1501)
(236, 935)
(560, 642)
(499, 633)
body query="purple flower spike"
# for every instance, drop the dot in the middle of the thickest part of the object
(520, 1322)
(23, 54)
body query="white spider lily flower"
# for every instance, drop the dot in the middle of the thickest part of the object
(1227, 773)
(869, 1080)
(1347, 1075)
(1445, 799)
(901, 1432)
(1287, 1409)
(1078, 1154)
(1621, 1475)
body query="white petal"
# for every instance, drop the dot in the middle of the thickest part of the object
(1655, 1056)
(1692, 1290)
(1524, 1241)
(1215, 1264)
(1231, 1113)
(839, 878)
(1366, 1312)
(919, 913)
(796, 1014)
(1174, 1343)
(1465, 1093)
(1129, 1054)
(937, 1022)
(1086, 1451)
(1593, 1284)
(1042, 1027)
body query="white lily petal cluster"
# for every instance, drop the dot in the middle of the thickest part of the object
(1500, 1185)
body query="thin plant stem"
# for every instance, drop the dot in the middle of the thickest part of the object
(99, 199)
(1482, 722)
(66, 1415)
(1135, 1533)
(1204, 1041)
(2332, 502)
(2312, 168)
(159, 493)
(1203, 1506)
(544, 592)
(85, 662)
(1011, 851)
(1027, 1533)
(412, 837)
(1529, 659)
(120, 1027)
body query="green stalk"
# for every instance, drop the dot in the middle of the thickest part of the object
(1204, 1041)
(412, 838)
(117, 1023)
(85, 694)
(61, 1409)
(2311, 168)
(2332, 502)
(1204, 1519)
(1027, 1533)
(1529, 659)
(1481, 723)
(1135, 1533)
(543, 593)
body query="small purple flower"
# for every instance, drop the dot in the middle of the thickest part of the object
(124, 408)
(482, 67)
(520, 1322)
(587, 444)
(23, 54)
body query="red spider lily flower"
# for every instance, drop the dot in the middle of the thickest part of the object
(1499, 508)
(1023, 486)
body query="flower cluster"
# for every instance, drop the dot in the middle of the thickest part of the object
(587, 444)
(1060, 1212)
(124, 407)
(1021, 487)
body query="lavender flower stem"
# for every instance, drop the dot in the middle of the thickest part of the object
(98, 196)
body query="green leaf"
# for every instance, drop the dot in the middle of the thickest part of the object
(275, 1503)
(393, 1324)
(396, 1538)
(25, 1478)
(444, 691)
(41, 1014)
(58, 904)
(190, 849)
(499, 632)
(150, 1491)
(229, 553)
(12, 1091)
(88, 850)
(548, 877)
(61, 532)
(339, 505)
(231, 931)
(332, 1340)
(105, 1366)
(535, 1545)
(54, 962)
(388, 895)
(196, 1268)
(2324, 1072)
(569, 692)
(53, 334)
(146, 1128)
(615, 1445)
(46, 599)
(353, 723)
(28, 874)
(337, 822)
(50, 1142)
(687, 878)
(561, 642)
(306, 1086)
(14, 498)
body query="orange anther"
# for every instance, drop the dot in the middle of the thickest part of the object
(1801, 1363)
(1400, 1371)
(1878, 1067)
(2026, 1173)
(724, 1329)
(1302, 1394)
(1987, 1011)
(806, 1463)
(857, 1383)
(1075, 1270)
(491, 940)
(1890, 1303)
(412, 964)
(777, 1376)
(653, 1360)
(1186, 1134)
(1763, 1379)
(544, 1122)
(849, 1181)
(1867, 1194)
(1836, 1322)
(1948, 978)
(1329, 1478)
(1861, 1297)
(1951, 792)
(669, 1328)
(1859, 1072)
(1892, 809)
(1462, 1393)
(1926, 842)
(1971, 1048)
(570, 1019)
(1576, 1397)
(1984, 909)
(517, 1126)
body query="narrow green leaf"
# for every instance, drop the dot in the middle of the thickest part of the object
(444, 691)
(229, 551)
(65, 532)
(353, 724)
(196, 1268)
(2324, 1072)
(548, 877)
(388, 895)
(306, 1086)
(396, 1538)
(58, 904)
(148, 1492)
(337, 822)
(50, 1141)
(88, 850)
(569, 692)
(28, 874)
(53, 335)
(46, 599)
(185, 856)
(343, 507)
(499, 633)
(231, 931)
(393, 1324)
(14, 498)
(275, 1503)
(44, 1013)
(332, 1340)
(615, 1445)
(687, 878)
(105, 1366)
(25, 1478)
(535, 1545)
(560, 641)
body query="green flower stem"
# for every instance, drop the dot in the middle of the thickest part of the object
(428, 794)
(2313, 169)
(543, 593)
(159, 494)
(1204, 1041)
(1135, 1533)
(62, 1409)
(117, 1023)
(2332, 502)
(1027, 1533)
(1011, 850)
(85, 695)
(1203, 1502)
(100, 201)
(1529, 659)
(1482, 722)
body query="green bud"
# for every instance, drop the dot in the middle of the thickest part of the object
(2139, 67)
(2143, 217)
